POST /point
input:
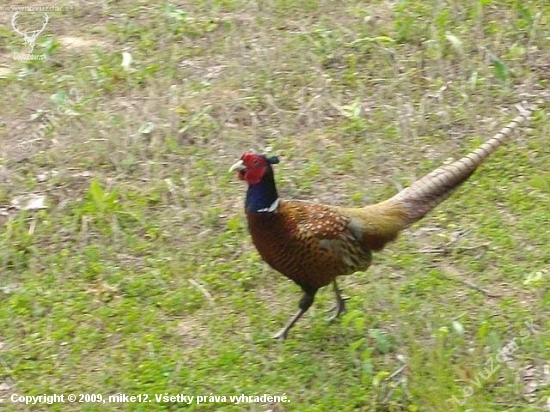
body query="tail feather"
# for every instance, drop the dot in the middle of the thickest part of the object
(426, 193)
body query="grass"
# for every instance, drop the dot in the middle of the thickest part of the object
(140, 278)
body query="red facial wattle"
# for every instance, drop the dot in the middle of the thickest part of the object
(253, 168)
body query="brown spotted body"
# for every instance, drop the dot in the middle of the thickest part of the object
(313, 244)
(308, 243)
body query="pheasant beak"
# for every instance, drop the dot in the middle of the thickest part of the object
(239, 166)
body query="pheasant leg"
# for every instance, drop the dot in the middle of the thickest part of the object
(340, 305)
(305, 303)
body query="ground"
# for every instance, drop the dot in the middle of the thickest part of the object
(131, 271)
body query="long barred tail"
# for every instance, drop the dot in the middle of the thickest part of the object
(426, 193)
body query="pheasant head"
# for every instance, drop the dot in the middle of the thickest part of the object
(256, 170)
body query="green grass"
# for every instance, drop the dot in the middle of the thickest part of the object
(140, 277)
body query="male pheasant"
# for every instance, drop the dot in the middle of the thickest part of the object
(312, 244)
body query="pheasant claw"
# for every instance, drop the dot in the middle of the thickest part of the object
(281, 335)
(340, 305)
(338, 309)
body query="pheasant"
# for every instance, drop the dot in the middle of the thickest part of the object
(313, 244)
